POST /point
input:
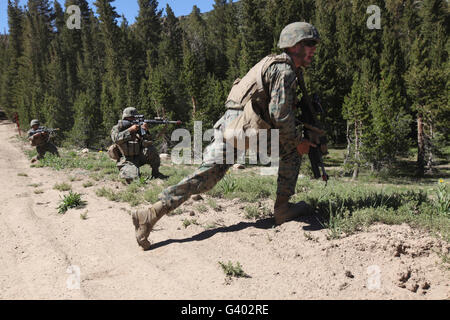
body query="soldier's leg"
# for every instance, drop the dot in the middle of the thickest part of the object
(50, 147)
(151, 157)
(128, 169)
(202, 180)
(287, 180)
(41, 152)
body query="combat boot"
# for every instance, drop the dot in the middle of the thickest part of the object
(144, 220)
(285, 211)
(158, 175)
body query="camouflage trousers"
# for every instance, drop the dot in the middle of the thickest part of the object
(213, 169)
(129, 166)
(43, 149)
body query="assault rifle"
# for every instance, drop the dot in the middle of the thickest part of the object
(44, 129)
(312, 130)
(140, 120)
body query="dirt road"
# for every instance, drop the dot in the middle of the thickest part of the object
(45, 255)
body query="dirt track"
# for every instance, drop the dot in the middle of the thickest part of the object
(38, 247)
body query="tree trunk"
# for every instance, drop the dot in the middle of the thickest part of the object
(357, 138)
(420, 147)
(194, 107)
(349, 144)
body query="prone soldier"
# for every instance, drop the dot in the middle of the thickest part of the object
(40, 138)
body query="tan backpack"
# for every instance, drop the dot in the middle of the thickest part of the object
(245, 95)
(114, 152)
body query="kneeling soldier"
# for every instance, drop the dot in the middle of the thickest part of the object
(135, 150)
(40, 138)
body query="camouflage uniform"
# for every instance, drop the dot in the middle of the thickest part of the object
(280, 81)
(41, 149)
(129, 165)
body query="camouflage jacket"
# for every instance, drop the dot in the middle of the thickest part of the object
(281, 83)
(129, 144)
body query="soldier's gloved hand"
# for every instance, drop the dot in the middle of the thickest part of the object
(303, 147)
(145, 126)
(134, 128)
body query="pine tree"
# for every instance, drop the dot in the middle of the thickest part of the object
(354, 111)
(232, 43)
(112, 96)
(38, 33)
(427, 80)
(13, 51)
(148, 29)
(255, 43)
(217, 38)
(87, 128)
(325, 80)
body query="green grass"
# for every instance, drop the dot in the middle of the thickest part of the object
(392, 196)
(72, 200)
(201, 208)
(35, 185)
(212, 203)
(233, 271)
(176, 212)
(345, 208)
(88, 184)
(62, 186)
(188, 222)
(254, 212)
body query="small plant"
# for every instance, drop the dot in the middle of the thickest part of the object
(210, 226)
(175, 212)
(228, 184)
(252, 212)
(442, 202)
(256, 212)
(334, 224)
(233, 271)
(35, 185)
(88, 184)
(21, 174)
(310, 237)
(72, 200)
(38, 191)
(202, 208)
(212, 203)
(187, 222)
(62, 187)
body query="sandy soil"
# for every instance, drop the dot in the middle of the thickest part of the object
(41, 250)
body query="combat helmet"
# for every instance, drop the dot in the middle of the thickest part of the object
(296, 32)
(129, 112)
(34, 122)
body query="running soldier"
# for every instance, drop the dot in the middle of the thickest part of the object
(264, 99)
